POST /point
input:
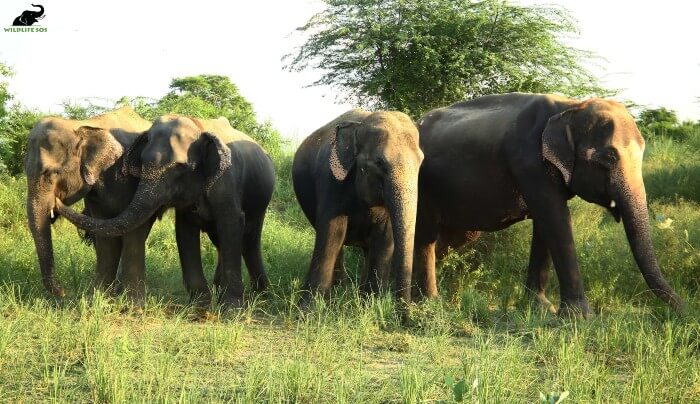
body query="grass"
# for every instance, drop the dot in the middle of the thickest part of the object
(480, 342)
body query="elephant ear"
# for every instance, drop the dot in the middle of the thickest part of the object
(132, 157)
(215, 158)
(98, 150)
(343, 149)
(558, 144)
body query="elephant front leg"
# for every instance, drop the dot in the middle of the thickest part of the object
(538, 270)
(230, 237)
(133, 258)
(189, 250)
(108, 251)
(379, 255)
(555, 224)
(330, 235)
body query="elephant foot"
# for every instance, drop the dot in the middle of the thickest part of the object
(575, 308)
(260, 285)
(229, 301)
(370, 289)
(307, 302)
(200, 298)
(540, 300)
(137, 302)
(54, 288)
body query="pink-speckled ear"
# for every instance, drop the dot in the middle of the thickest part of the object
(343, 149)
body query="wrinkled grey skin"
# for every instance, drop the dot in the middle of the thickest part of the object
(219, 181)
(71, 160)
(29, 17)
(356, 181)
(496, 160)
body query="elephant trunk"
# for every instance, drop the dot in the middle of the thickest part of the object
(635, 219)
(40, 204)
(39, 13)
(140, 209)
(402, 201)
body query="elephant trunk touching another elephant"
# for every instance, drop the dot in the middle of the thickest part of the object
(70, 159)
(146, 202)
(219, 181)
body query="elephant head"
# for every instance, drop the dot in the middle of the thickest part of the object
(29, 17)
(176, 160)
(598, 150)
(381, 156)
(64, 162)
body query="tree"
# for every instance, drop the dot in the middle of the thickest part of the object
(14, 132)
(207, 97)
(415, 55)
(5, 96)
(663, 122)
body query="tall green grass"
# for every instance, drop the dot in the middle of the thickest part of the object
(480, 342)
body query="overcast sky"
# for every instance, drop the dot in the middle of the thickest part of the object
(111, 49)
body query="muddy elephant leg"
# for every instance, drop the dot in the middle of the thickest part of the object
(229, 229)
(189, 250)
(379, 255)
(538, 270)
(108, 251)
(133, 264)
(252, 253)
(424, 257)
(330, 235)
(340, 273)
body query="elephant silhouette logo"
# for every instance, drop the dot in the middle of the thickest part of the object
(29, 17)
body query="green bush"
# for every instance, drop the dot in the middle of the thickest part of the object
(14, 130)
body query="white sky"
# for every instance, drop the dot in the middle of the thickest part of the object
(111, 49)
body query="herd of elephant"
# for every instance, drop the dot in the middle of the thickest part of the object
(375, 180)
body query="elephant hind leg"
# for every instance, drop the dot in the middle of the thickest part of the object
(252, 253)
(108, 251)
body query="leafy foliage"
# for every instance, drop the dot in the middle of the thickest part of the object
(5, 96)
(207, 97)
(415, 55)
(14, 130)
(662, 122)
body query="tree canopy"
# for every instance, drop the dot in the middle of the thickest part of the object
(202, 96)
(210, 96)
(415, 55)
(656, 122)
(5, 96)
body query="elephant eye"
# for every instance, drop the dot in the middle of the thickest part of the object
(380, 163)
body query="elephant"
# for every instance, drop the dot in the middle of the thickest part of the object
(219, 181)
(29, 17)
(73, 160)
(356, 179)
(496, 160)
